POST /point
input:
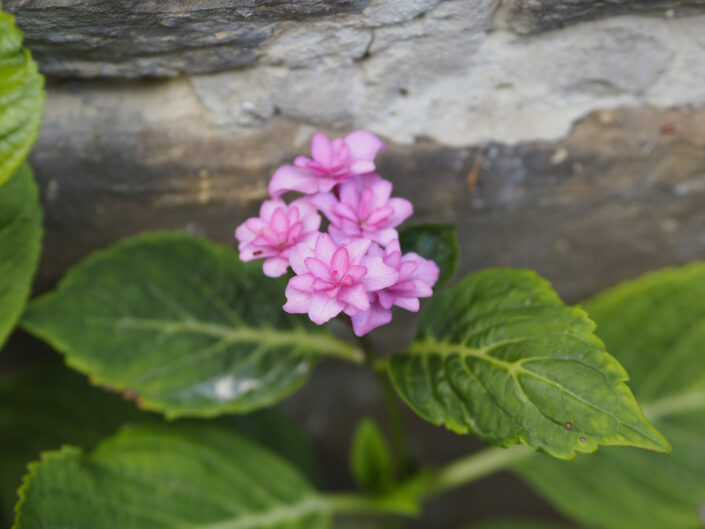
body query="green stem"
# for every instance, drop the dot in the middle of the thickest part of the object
(458, 473)
(396, 422)
(476, 466)
(366, 505)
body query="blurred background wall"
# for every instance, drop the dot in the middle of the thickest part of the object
(565, 136)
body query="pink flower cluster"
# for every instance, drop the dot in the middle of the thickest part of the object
(357, 266)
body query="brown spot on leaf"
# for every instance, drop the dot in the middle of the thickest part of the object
(568, 425)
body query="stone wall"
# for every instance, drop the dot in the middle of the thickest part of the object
(561, 135)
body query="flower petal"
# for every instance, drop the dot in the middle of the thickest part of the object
(381, 191)
(303, 283)
(321, 149)
(357, 249)
(379, 275)
(364, 322)
(318, 268)
(298, 255)
(340, 262)
(426, 270)
(339, 236)
(297, 302)
(403, 209)
(268, 208)
(384, 236)
(325, 248)
(275, 266)
(355, 295)
(325, 202)
(364, 145)
(323, 308)
(411, 304)
(280, 222)
(291, 178)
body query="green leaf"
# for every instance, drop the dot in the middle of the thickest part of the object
(158, 476)
(370, 459)
(437, 242)
(501, 356)
(184, 325)
(655, 326)
(517, 523)
(20, 245)
(21, 98)
(45, 407)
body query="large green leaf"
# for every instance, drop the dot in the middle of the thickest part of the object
(46, 406)
(501, 356)
(20, 242)
(184, 325)
(656, 328)
(437, 242)
(169, 477)
(21, 98)
(517, 523)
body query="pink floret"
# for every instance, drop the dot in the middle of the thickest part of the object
(415, 280)
(278, 228)
(363, 209)
(332, 279)
(331, 163)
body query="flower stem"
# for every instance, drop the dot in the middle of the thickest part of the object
(476, 466)
(391, 401)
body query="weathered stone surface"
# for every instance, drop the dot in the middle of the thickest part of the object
(530, 16)
(443, 77)
(406, 69)
(620, 195)
(155, 38)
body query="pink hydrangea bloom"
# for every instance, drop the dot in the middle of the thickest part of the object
(363, 208)
(333, 162)
(278, 228)
(332, 279)
(415, 280)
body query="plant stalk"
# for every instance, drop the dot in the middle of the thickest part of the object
(396, 421)
(476, 466)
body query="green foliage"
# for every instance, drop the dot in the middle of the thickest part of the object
(159, 476)
(48, 405)
(656, 327)
(437, 242)
(20, 245)
(370, 458)
(517, 523)
(501, 356)
(21, 98)
(184, 325)
(45, 407)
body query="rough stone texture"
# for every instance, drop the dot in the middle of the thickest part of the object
(156, 38)
(530, 16)
(442, 70)
(620, 195)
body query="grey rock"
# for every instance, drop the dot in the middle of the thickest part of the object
(620, 195)
(532, 16)
(153, 38)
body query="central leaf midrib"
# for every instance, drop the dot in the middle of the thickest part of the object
(269, 336)
(281, 514)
